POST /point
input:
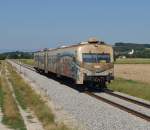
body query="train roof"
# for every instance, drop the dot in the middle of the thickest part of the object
(90, 41)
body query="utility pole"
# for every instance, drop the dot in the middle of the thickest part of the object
(19, 55)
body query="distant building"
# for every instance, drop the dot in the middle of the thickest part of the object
(122, 57)
(131, 52)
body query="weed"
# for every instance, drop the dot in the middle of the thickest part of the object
(134, 88)
(27, 97)
(11, 116)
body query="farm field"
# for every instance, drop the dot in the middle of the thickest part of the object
(133, 79)
(133, 61)
(137, 72)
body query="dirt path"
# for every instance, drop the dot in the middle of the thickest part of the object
(2, 126)
(30, 120)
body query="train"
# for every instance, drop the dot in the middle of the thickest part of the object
(85, 63)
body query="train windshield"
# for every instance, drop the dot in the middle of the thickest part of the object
(96, 58)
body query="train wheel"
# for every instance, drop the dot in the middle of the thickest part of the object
(100, 86)
(80, 87)
(104, 84)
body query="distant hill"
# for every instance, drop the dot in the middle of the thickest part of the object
(140, 50)
(120, 49)
(16, 55)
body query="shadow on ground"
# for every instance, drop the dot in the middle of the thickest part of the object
(70, 83)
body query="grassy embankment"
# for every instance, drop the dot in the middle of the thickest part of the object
(134, 88)
(133, 61)
(27, 97)
(28, 61)
(11, 115)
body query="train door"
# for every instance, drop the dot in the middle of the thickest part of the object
(46, 62)
(58, 65)
(38, 58)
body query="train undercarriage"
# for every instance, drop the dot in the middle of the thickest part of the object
(89, 83)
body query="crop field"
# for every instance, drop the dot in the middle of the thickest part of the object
(132, 61)
(133, 79)
(137, 72)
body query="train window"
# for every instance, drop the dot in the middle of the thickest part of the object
(95, 58)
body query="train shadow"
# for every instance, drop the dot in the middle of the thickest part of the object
(70, 83)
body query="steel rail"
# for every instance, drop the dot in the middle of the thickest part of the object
(128, 99)
(133, 112)
(25, 65)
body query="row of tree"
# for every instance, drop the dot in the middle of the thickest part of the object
(140, 50)
(16, 55)
(120, 49)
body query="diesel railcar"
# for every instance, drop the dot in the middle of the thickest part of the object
(90, 61)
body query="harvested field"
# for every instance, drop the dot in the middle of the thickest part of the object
(138, 72)
(133, 61)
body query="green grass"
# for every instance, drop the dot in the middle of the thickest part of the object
(27, 97)
(28, 61)
(133, 61)
(1, 94)
(134, 88)
(11, 116)
(19, 96)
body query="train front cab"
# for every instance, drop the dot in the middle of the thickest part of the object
(96, 64)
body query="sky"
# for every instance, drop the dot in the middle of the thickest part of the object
(35, 24)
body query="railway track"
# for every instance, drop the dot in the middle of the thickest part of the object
(29, 67)
(128, 99)
(24, 65)
(133, 112)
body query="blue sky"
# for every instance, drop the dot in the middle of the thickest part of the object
(36, 24)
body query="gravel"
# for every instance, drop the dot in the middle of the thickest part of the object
(127, 104)
(88, 111)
